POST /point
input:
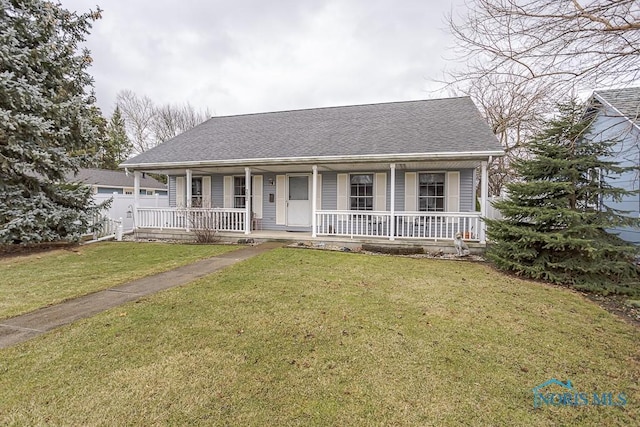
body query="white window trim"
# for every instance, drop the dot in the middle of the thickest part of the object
(418, 189)
(233, 194)
(373, 190)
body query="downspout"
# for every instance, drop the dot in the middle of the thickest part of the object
(248, 200)
(314, 201)
(392, 224)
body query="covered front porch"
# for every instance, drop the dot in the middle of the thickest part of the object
(382, 220)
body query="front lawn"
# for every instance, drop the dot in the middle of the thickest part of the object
(300, 337)
(32, 281)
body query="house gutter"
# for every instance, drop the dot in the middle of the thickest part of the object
(392, 158)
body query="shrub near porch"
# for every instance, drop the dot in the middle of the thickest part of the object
(318, 338)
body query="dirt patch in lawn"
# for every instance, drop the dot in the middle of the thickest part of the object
(618, 305)
(9, 251)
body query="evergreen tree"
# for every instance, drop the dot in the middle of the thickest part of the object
(117, 147)
(46, 126)
(554, 221)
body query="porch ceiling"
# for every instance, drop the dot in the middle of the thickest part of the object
(337, 167)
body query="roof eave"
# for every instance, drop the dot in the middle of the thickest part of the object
(391, 158)
(614, 108)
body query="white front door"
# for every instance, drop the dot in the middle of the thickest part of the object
(298, 201)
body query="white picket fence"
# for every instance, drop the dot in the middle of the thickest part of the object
(105, 227)
(492, 212)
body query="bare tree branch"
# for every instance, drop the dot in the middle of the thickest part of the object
(138, 113)
(149, 125)
(573, 42)
(521, 56)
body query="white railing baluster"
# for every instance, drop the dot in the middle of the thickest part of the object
(180, 218)
(408, 225)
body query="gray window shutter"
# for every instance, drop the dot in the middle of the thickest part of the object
(343, 192)
(228, 192)
(410, 191)
(319, 194)
(180, 193)
(452, 183)
(206, 191)
(380, 188)
(281, 199)
(256, 189)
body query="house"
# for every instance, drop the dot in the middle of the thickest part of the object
(104, 181)
(399, 170)
(617, 118)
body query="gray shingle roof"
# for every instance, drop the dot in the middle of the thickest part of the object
(430, 126)
(626, 100)
(110, 178)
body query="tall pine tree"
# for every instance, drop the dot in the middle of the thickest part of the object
(554, 221)
(117, 146)
(46, 125)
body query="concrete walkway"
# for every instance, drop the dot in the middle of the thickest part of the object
(21, 328)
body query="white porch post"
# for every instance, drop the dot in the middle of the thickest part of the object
(314, 200)
(392, 225)
(189, 197)
(247, 216)
(484, 195)
(136, 197)
(189, 188)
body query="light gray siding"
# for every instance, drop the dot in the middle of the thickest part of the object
(400, 190)
(217, 191)
(172, 191)
(467, 191)
(329, 190)
(609, 126)
(269, 208)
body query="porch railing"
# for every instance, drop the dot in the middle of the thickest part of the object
(374, 224)
(104, 226)
(407, 225)
(219, 219)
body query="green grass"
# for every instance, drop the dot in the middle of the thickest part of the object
(34, 281)
(297, 337)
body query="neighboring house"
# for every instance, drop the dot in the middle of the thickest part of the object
(104, 181)
(618, 119)
(401, 170)
(118, 188)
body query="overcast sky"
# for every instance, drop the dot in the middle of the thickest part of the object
(245, 56)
